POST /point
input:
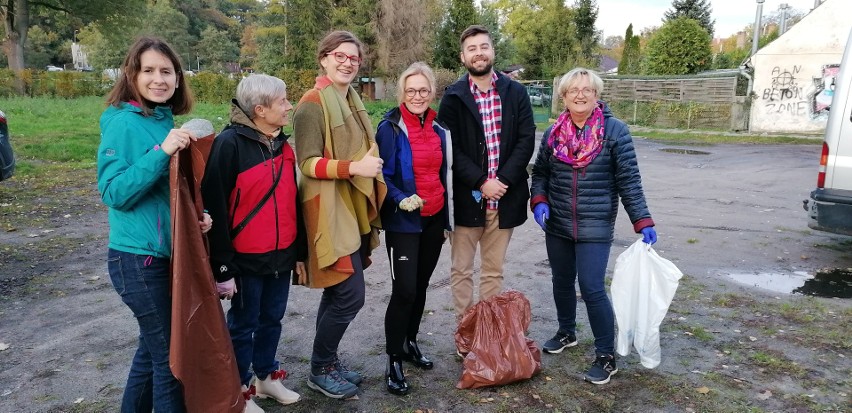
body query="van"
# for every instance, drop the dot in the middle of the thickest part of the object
(830, 204)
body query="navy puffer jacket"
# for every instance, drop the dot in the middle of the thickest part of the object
(584, 202)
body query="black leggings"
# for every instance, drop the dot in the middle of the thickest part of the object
(413, 257)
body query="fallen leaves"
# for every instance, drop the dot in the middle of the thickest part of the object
(703, 390)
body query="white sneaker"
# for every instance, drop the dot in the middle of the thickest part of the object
(272, 387)
(251, 406)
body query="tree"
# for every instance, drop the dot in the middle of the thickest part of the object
(216, 49)
(164, 21)
(401, 31)
(361, 18)
(680, 47)
(543, 32)
(306, 21)
(585, 15)
(16, 18)
(698, 10)
(41, 47)
(460, 15)
(504, 48)
(631, 56)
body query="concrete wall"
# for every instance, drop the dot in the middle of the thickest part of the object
(794, 75)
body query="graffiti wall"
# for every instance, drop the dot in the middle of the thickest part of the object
(791, 92)
(794, 76)
(794, 97)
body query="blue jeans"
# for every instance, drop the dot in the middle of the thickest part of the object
(584, 262)
(339, 305)
(144, 285)
(254, 322)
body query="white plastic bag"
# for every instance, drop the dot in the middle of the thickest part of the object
(643, 285)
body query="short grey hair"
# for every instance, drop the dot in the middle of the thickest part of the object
(573, 76)
(416, 68)
(259, 89)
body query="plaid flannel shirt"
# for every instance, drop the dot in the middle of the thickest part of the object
(491, 109)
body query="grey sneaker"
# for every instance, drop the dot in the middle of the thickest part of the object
(602, 369)
(559, 342)
(330, 383)
(350, 375)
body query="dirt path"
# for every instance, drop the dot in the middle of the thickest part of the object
(727, 346)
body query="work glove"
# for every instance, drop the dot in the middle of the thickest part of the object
(541, 213)
(411, 203)
(226, 289)
(649, 235)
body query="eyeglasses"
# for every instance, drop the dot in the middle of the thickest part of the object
(586, 91)
(424, 93)
(341, 57)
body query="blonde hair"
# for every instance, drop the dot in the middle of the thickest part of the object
(416, 68)
(574, 75)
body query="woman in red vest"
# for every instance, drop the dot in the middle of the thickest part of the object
(415, 214)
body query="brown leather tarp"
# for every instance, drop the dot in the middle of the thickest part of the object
(492, 334)
(202, 357)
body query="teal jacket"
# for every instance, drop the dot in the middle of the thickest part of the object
(133, 179)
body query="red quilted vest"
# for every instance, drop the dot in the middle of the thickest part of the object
(426, 159)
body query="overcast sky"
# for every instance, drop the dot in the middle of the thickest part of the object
(731, 15)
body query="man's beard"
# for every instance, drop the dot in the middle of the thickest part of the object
(476, 72)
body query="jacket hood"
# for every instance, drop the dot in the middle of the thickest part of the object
(241, 120)
(607, 113)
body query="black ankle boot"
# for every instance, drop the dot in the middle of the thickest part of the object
(416, 357)
(395, 377)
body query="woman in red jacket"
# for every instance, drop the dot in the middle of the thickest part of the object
(415, 213)
(250, 190)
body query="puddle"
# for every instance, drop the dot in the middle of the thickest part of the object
(836, 283)
(684, 151)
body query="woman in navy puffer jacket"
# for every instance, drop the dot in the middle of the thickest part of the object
(585, 164)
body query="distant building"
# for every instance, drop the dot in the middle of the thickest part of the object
(608, 65)
(79, 58)
(513, 71)
(794, 75)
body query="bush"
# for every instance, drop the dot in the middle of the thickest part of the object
(443, 78)
(211, 87)
(67, 84)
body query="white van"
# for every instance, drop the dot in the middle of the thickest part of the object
(830, 206)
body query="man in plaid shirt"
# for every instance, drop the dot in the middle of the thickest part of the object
(493, 134)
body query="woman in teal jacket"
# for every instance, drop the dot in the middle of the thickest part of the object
(137, 140)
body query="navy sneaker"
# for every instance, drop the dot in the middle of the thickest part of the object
(559, 342)
(330, 383)
(602, 369)
(350, 375)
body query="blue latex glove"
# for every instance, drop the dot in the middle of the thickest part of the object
(541, 212)
(649, 235)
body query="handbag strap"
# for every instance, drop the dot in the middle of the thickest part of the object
(242, 225)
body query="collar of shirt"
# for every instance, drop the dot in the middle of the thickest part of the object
(474, 88)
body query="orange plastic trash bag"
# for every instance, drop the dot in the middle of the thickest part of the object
(492, 336)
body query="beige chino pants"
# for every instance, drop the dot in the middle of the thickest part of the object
(493, 243)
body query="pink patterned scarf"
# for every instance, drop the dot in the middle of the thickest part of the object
(573, 148)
